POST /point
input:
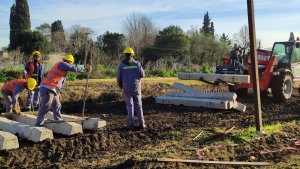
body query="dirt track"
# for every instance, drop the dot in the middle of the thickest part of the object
(118, 148)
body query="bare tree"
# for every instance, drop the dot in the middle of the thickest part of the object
(79, 40)
(58, 41)
(242, 37)
(139, 31)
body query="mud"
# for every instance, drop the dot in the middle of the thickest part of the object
(114, 147)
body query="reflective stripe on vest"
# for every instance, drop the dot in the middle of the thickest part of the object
(31, 69)
(130, 67)
(9, 86)
(54, 76)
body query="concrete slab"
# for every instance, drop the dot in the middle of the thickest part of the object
(240, 107)
(233, 78)
(222, 96)
(195, 102)
(8, 141)
(185, 88)
(26, 131)
(64, 128)
(88, 124)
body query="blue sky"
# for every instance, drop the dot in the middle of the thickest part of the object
(274, 19)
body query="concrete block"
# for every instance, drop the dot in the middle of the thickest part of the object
(222, 96)
(8, 141)
(64, 128)
(185, 88)
(88, 124)
(26, 131)
(233, 78)
(195, 102)
(240, 107)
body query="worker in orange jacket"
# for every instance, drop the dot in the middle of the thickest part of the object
(52, 85)
(34, 69)
(11, 90)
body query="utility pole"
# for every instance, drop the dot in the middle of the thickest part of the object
(255, 77)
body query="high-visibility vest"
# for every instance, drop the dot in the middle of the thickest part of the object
(54, 76)
(31, 69)
(9, 86)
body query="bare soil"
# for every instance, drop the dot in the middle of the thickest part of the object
(169, 134)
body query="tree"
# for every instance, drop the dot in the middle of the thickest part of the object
(224, 38)
(139, 31)
(208, 27)
(242, 37)
(57, 26)
(45, 29)
(19, 22)
(80, 42)
(33, 41)
(171, 44)
(113, 43)
(58, 38)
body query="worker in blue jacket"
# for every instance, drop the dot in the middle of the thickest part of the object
(129, 74)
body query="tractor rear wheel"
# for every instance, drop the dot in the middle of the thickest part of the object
(238, 92)
(282, 87)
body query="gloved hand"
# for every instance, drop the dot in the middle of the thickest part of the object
(59, 96)
(16, 109)
(88, 68)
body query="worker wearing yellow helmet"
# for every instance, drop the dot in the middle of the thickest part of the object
(129, 74)
(34, 69)
(11, 90)
(52, 85)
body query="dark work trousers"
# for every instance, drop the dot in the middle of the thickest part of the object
(49, 100)
(32, 95)
(134, 103)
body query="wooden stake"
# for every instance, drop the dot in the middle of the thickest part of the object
(22, 113)
(214, 162)
(198, 135)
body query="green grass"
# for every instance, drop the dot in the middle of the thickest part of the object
(251, 132)
(177, 134)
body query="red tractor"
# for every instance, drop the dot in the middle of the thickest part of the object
(278, 70)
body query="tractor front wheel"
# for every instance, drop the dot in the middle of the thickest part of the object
(238, 92)
(282, 87)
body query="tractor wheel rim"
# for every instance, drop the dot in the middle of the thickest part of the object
(287, 87)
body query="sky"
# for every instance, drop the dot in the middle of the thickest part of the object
(274, 19)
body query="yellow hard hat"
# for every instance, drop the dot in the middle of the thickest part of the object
(129, 50)
(31, 83)
(69, 57)
(36, 53)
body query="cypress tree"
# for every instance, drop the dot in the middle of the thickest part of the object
(13, 31)
(57, 27)
(206, 25)
(19, 22)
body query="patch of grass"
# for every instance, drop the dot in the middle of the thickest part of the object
(251, 132)
(177, 134)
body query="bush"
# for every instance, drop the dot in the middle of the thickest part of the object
(205, 67)
(7, 75)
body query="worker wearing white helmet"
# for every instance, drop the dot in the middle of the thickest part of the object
(129, 74)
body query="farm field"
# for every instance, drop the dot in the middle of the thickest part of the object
(170, 133)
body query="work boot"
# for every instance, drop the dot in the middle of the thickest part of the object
(143, 126)
(128, 127)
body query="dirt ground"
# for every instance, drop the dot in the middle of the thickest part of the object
(170, 133)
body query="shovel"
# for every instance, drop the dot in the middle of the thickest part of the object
(85, 94)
